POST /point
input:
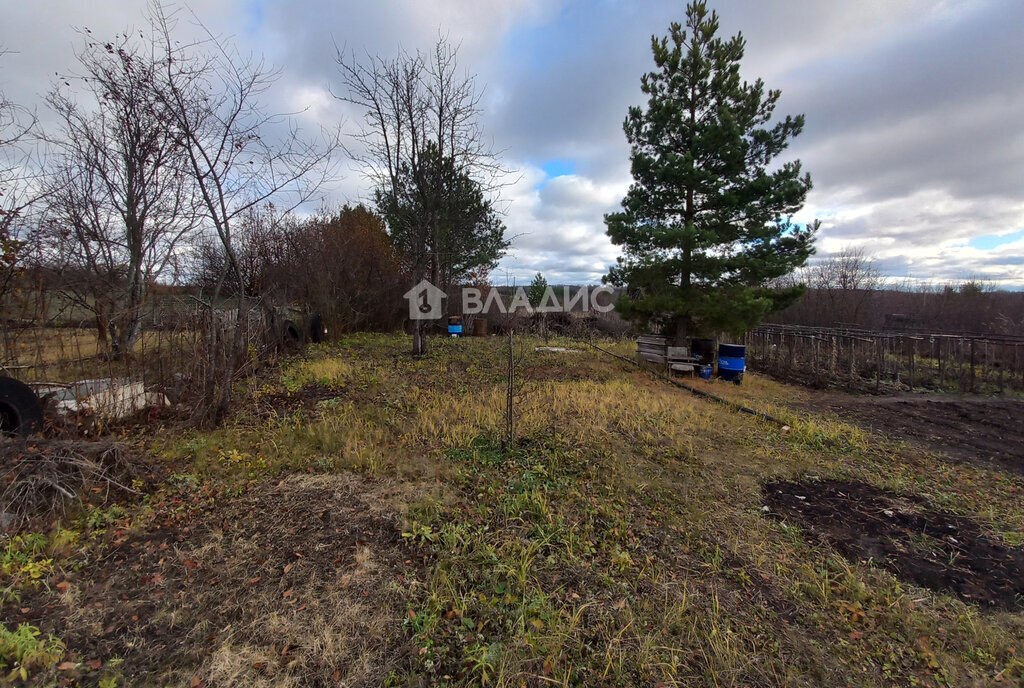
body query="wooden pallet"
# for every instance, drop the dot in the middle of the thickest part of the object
(653, 348)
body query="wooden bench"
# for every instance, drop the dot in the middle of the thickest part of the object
(679, 360)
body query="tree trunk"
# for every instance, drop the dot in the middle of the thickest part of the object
(419, 339)
(419, 336)
(681, 338)
(102, 343)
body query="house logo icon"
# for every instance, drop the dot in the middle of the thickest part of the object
(424, 301)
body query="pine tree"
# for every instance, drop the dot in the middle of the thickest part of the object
(537, 288)
(705, 226)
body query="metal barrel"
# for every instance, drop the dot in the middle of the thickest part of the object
(731, 361)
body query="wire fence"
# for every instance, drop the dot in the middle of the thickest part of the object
(864, 360)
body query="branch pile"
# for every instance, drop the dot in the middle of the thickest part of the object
(42, 477)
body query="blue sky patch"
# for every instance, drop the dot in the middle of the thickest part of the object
(987, 242)
(254, 11)
(558, 167)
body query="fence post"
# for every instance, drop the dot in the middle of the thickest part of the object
(878, 364)
(972, 366)
(942, 369)
(912, 347)
(853, 358)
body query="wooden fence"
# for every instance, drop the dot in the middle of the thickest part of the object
(865, 360)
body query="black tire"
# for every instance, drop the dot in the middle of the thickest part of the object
(20, 410)
(316, 328)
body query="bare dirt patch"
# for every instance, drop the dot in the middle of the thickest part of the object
(307, 398)
(302, 582)
(984, 430)
(936, 550)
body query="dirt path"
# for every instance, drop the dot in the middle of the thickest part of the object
(984, 430)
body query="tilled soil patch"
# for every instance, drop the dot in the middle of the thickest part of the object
(981, 430)
(933, 549)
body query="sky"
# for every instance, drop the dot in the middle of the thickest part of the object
(914, 133)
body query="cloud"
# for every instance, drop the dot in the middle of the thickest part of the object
(913, 137)
(558, 228)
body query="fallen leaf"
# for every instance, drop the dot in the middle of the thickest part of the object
(66, 666)
(196, 682)
(63, 585)
(94, 663)
(288, 592)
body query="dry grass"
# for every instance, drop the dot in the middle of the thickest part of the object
(63, 354)
(620, 542)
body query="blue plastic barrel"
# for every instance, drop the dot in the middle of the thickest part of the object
(731, 361)
(455, 330)
(705, 372)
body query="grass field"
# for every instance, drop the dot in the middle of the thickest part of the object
(358, 523)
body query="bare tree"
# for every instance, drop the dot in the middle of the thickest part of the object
(846, 280)
(420, 131)
(239, 156)
(19, 191)
(121, 204)
(17, 168)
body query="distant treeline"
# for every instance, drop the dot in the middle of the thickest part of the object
(970, 307)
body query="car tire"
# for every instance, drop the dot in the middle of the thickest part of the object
(20, 410)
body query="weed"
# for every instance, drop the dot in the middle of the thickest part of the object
(98, 518)
(25, 651)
